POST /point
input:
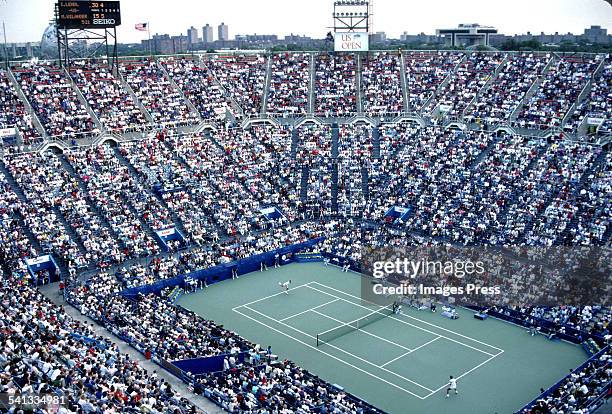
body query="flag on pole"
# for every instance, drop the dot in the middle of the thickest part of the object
(141, 26)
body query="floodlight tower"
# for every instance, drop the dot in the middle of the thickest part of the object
(351, 16)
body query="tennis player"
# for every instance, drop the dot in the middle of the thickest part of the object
(285, 285)
(452, 386)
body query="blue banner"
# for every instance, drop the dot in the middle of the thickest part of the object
(224, 271)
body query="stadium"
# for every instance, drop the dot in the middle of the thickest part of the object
(255, 231)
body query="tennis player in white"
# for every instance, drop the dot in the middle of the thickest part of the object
(285, 285)
(452, 386)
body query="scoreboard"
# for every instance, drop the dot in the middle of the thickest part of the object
(88, 14)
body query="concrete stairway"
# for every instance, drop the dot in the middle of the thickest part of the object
(304, 183)
(358, 86)
(311, 85)
(404, 82)
(365, 180)
(266, 91)
(335, 141)
(376, 143)
(334, 186)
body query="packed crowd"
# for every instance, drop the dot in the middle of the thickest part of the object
(200, 87)
(289, 84)
(14, 245)
(13, 113)
(55, 102)
(97, 207)
(243, 78)
(497, 103)
(108, 185)
(470, 76)
(112, 104)
(57, 211)
(597, 105)
(260, 386)
(425, 71)
(45, 351)
(162, 100)
(529, 90)
(559, 89)
(382, 84)
(335, 88)
(354, 166)
(579, 392)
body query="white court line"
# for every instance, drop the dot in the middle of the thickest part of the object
(308, 310)
(361, 330)
(340, 349)
(465, 373)
(411, 351)
(271, 296)
(330, 355)
(407, 323)
(412, 317)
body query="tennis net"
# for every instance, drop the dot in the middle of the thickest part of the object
(357, 324)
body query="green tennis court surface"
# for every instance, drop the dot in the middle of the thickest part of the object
(400, 363)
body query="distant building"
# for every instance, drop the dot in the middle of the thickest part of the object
(468, 35)
(180, 44)
(596, 34)
(255, 38)
(378, 37)
(25, 50)
(297, 39)
(207, 34)
(192, 35)
(223, 32)
(546, 39)
(166, 44)
(420, 38)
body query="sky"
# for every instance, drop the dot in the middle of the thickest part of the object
(26, 20)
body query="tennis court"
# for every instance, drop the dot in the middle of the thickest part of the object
(400, 363)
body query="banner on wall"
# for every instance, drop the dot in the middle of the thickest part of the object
(7, 132)
(351, 42)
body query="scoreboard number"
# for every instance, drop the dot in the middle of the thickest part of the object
(88, 14)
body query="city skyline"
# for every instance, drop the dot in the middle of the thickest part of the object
(285, 17)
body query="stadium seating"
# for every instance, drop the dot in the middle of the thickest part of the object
(45, 351)
(111, 103)
(13, 112)
(382, 84)
(97, 208)
(559, 90)
(49, 90)
(107, 183)
(163, 101)
(335, 89)
(199, 86)
(289, 84)
(470, 76)
(498, 102)
(243, 77)
(598, 103)
(425, 72)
